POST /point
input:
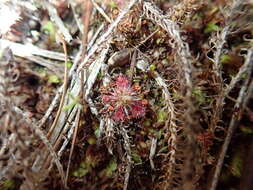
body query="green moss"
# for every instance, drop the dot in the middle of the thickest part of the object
(163, 149)
(91, 140)
(199, 95)
(97, 132)
(111, 167)
(54, 79)
(211, 27)
(159, 41)
(50, 28)
(8, 184)
(152, 67)
(244, 76)
(237, 165)
(225, 59)
(246, 130)
(147, 123)
(83, 169)
(91, 161)
(175, 95)
(80, 172)
(136, 158)
(75, 101)
(159, 134)
(69, 64)
(112, 4)
(162, 116)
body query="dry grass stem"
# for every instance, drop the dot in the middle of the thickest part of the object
(234, 120)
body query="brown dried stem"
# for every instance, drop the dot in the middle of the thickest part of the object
(235, 119)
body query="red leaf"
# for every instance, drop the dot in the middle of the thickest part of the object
(119, 115)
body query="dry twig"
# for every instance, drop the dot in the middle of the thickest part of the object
(234, 120)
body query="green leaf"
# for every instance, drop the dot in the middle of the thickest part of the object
(211, 27)
(54, 79)
(111, 167)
